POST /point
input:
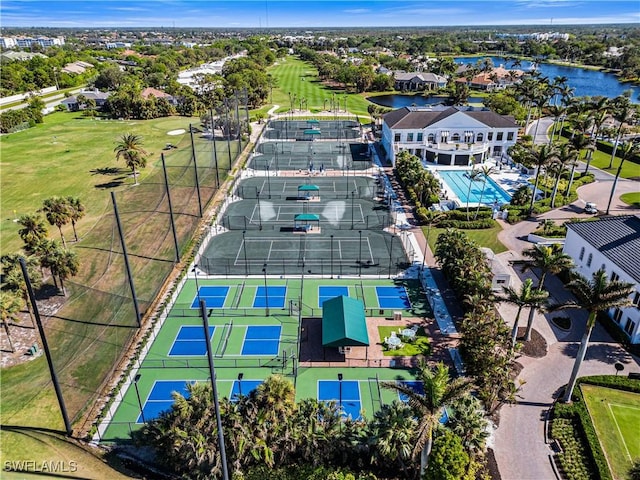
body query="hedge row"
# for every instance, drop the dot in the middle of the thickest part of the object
(610, 381)
(470, 225)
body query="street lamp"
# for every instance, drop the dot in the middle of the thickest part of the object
(353, 199)
(259, 209)
(340, 397)
(347, 189)
(268, 180)
(266, 290)
(135, 384)
(331, 256)
(240, 376)
(244, 248)
(360, 253)
(195, 274)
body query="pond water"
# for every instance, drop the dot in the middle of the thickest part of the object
(586, 82)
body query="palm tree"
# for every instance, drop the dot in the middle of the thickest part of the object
(14, 280)
(578, 142)
(595, 296)
(567, 155)
(629, 149)
(48, 252)
(439, 391)
(548, 259)
(392, 430)
(66, 265)
(539, 157)
(9, 309)
(471, 176)
(527, 296)
(130, 149)
(76, 212)
(33, 230)
(485, 171)
(624, 113)
(57, 212)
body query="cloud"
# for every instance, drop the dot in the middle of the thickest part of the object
(358, 11)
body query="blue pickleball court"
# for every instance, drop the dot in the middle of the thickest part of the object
(190, 341)
(161, 398)
(262, 340)
(416, 386)
(328, 292)
(273, 296)
(329, 390)
(214, 296)
(393, 297)
(246, 386)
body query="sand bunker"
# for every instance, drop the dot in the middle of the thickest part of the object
(180, 131)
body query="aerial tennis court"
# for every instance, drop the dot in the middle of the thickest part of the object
(311, 156)
(262, 340)
(312, 129)
(190, 341)
(329, 188)
(393, 297)
(270, 297)
(327, 292)
(214, 296)
(345, 393)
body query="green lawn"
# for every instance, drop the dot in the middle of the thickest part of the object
(419, 346)
(631, 198)
(616, 417)
(483, 237)
(300, 78)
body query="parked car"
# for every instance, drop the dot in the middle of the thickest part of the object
(590, 207)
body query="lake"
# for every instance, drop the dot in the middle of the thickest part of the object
(586, 82)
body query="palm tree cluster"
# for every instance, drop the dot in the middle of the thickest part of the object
(267, 428)
(421, 186)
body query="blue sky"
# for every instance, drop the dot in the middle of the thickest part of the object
(313, 13)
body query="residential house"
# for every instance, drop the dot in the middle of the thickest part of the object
(73, 105)
(418, 81)
(497, 78)
(612, 244)
(153, 92)
(448, 135)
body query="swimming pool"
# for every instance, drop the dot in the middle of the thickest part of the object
(458, 181)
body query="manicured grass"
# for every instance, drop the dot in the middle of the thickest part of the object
(631, 198)
(420, 345)
(300, 78)
(483, 237)
(616, 418)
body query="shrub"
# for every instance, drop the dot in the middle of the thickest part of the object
(470, 225)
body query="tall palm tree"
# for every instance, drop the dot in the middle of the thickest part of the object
(595, 296)
(629, 149)
(527, 296)
(48, 253)
(577, 142)
(9, 310)
(392, 430)
(548, 259)
(485, 171)
(33, 230)
(624, 113)
(130, 150)
(556, 111)
(539, 157)
(567, 155)
(439, 390)
(67, 265)
(57, 212)
(76, 212)
(14, 280)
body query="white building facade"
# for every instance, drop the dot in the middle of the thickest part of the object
(612, 244)
(455, 136)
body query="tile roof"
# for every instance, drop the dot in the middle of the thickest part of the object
(617, 238)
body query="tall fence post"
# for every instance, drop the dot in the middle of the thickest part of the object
(195, 170)
(173, 225)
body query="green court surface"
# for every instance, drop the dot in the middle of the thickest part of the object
(312, 129)
(616, 418)
(241, 327)
(329, 188)
(311, 156)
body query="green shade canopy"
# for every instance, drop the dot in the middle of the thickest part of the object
(308, 188)
(313, 120)
(312, 131)
(344, 323)
(306, 217)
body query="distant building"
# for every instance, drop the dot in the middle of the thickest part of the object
(611, 244)
(7, 42)
(418, 81)
(153, 92)
(20, 56)
(448, 135)
(76, 68)
(44, 42)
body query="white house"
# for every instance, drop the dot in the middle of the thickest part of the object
(448, 135)
(611, 243)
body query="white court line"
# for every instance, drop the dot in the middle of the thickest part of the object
(619, 431)
(370, 251)
(270, 248)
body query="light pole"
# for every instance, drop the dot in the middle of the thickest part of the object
(240, 376)
(347, 189)
(331, 256)
(135, 384)
(340, 397)
(195, 275)
(244, 249)
(268, 181)
(259, 214)
(353, 199)
(390, 253)
(266, 290)
(360, 253)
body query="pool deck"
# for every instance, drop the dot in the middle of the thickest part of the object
(507, 178)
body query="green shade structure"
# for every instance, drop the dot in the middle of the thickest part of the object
(313, 121)
(312, 131)
(307, 217)
(344, 323)
(308, 188)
